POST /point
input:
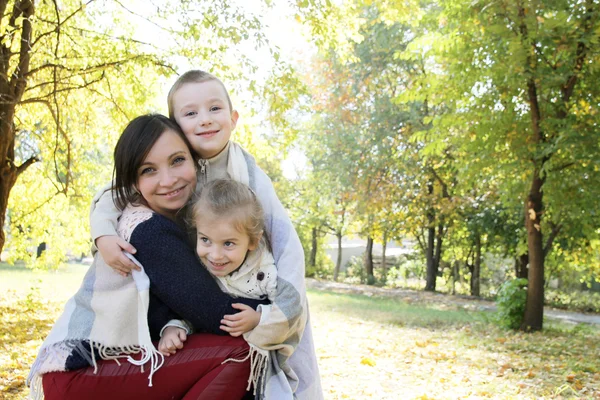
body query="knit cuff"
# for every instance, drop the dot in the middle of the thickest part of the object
(180, 324)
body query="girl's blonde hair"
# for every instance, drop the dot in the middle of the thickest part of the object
(228, 198)
(193, 76)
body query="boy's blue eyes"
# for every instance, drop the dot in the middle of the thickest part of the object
(192, 113)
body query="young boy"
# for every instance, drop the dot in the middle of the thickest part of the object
(200, 104)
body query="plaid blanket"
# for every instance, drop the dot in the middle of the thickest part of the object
(101, 314)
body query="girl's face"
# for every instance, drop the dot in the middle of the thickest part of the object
(221, 247)
(167, 176)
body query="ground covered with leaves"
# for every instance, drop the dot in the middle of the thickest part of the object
(368, 347)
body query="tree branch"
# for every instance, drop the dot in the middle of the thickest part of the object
(21, 168)
(59, 25)
(444, 185)
(19, 81)
(555, 231)
(580, 57)
(560, 168)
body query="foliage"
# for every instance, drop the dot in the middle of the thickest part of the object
(511, 303)
(90, 68)
(448, 117)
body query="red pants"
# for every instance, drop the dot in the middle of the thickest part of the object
(194, 372)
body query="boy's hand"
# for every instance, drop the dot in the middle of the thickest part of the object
(172, 340)
(111, 248)
(242, 322)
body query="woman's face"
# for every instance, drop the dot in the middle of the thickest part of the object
(167, 176)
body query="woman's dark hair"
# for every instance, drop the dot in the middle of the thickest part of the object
(131, 150)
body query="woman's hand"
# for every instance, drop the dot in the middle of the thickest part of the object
(242, 322)
(172, 340)
(111, 248)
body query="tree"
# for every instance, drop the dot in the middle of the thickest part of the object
(522, 82)
(71, 74)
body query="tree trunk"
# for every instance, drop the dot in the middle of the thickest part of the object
(12, 87)
(312, 262)
(383, 260)
(8, 170)
(431, 277)
(338, 263)
(369, 261)
(438, 248)
(521, 263)
(475, 281)
(455, 275)
(534, 307)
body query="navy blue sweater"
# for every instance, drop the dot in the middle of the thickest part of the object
(178, 280)
(180, 286)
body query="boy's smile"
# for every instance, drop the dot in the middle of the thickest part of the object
(202, 111)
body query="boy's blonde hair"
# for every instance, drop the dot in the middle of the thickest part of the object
(194, 76)
(227, 198)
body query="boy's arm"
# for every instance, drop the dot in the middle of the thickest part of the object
(104, 216)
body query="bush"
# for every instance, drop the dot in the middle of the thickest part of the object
(511, 303)
(355, 270)
(583, 301)
(357, 273)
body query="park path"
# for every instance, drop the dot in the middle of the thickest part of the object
(464, 302)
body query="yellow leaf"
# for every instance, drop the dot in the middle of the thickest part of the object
(367, 361)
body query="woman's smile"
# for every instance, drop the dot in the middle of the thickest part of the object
(167, 176)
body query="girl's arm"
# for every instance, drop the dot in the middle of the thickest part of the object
(178, 278)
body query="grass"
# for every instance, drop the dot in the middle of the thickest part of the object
(368, 347)
(56, 285)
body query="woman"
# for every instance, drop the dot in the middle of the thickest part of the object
(113, 317)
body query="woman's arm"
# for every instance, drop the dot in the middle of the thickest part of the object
(178, 279)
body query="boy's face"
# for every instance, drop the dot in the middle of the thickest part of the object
(202, 111)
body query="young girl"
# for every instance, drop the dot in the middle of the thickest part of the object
(231, 244)
(201, 106)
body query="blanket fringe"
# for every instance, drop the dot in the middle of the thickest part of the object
(259, 363)
(149, 354)
(36, 391)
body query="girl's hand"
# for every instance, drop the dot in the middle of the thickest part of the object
(172, 340)
(111, 248)
(242, 322)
